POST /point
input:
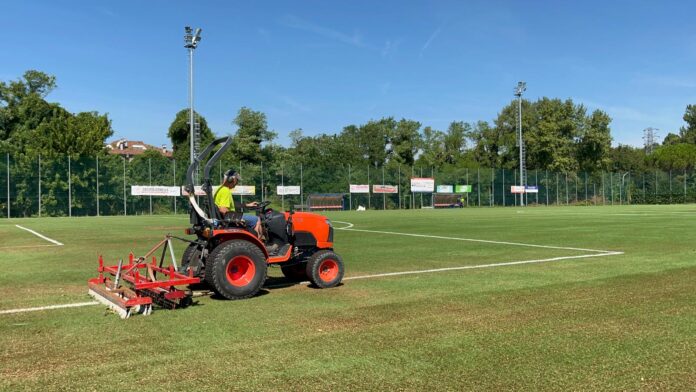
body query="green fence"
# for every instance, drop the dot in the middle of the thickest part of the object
(89, 186)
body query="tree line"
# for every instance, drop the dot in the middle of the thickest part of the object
(559, 136)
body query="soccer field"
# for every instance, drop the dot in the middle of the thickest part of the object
(562, 298)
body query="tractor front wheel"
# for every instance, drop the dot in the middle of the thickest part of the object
(325, 269)
(238, 269)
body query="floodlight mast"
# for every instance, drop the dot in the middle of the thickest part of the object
(521, 88)
(191, 41)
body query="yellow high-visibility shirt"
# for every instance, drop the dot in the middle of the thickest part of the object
(223, 198)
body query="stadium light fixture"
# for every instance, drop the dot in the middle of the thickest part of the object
(521, 88)
(191, 41)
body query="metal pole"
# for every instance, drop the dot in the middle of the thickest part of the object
(174, 170)
(421, 194)
(241, 197)
(262, 197)
(566, 184)
(491, 199)
(478, 184)
(350, 194)
(69, 189)
(519, 105)
(191, 127)
(369, 198)
(536, 184)
(282, 185)
(302, 190)
(586, 186)
(39, 186)
(384, 195)
(547, 187)
(125, 209)
(8, 185)
(503, 187)
(611, 188)
(97, 185)
(149, 174)
(398, 187)
(684, 185)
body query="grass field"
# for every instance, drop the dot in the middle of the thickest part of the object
(616, 312)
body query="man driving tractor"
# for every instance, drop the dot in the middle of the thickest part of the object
(226, 204)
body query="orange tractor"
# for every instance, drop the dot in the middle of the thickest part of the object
(230, 259)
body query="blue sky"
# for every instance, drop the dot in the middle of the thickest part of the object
(321, 65)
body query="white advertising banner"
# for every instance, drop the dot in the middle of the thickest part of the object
(532, 189)
(288, 190)
(242, 190)
(198, 190)
(445, 189)
(422, 184)
(517, 189)
(154, 190)
(385, 189)
(359, 188)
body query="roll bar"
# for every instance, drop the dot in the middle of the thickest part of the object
(207, 185)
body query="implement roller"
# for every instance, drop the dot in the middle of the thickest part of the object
(134, 287)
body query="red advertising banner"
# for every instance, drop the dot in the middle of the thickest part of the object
(385, 189)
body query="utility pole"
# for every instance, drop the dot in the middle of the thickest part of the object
(521, 88)
(649, 136)
(191, 41)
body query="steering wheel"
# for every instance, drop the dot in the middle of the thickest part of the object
(261, 207)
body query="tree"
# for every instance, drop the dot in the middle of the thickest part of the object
(405, 141)
(595, 143)
(252, 132)
(627, 158)
(180, 134)
(455, 141)
(681, 156)
(688, 132)
(433, 148)
(671, 139)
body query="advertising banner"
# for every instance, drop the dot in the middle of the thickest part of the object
(288, 190)
(385, 188)
(422, 184)
(153, 190)
(462, 189)
(359, 188)
(445, 189)
(198, 190)
(244, 190)
(517, 189)
(532, 189)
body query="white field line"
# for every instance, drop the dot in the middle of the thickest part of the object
(26, 246)
(349, 228)
(40, 235)
(50, 307)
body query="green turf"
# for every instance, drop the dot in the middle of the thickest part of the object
(621, 322)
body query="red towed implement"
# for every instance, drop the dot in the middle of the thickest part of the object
(134, 287)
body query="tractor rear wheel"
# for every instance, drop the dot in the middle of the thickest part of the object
(325, 269)
(295, 273)
(237, 269)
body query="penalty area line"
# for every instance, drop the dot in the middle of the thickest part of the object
(40, 235)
